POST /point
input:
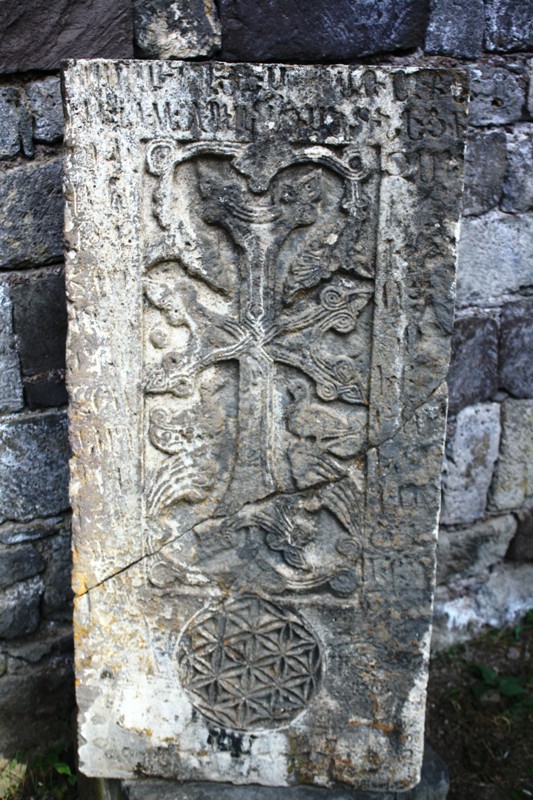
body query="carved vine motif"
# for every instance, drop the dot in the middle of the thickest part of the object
(249, 664)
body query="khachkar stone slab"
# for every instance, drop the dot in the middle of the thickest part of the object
(260, 275)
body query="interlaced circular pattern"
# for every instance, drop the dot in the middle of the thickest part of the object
(249, 664)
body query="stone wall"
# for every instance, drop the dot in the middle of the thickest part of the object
(486, 542)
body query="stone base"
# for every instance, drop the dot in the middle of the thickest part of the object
(433, 786)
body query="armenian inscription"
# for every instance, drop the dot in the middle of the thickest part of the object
(261, 271)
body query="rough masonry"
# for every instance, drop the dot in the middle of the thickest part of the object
(260, 274)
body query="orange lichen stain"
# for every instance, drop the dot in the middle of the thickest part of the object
(201, 753)
(383, 727)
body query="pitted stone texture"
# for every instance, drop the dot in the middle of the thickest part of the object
(260, 275)
(455, 28)
(32, 203)
(434, 785)
(485, 167)
(518, 185)
(513, 476)
(40, 321)
(33, 466)
(176, 28)
(279, 30)
(497, 93)
(9, 122)
(494, 260)
(10, 383)
(36, 35)
(19, 609)
(46, 106)
(37, 690)
(508, 25)
(473, 374)
(516, 348)
(18, 562)
(471, 451)
(464, 552)
(462, 612)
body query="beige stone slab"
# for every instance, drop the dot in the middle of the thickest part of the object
(261, 283)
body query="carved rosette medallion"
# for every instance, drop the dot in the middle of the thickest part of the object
(249, 664)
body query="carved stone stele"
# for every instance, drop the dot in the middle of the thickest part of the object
(260, 281)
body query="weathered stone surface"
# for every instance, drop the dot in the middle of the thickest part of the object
(518, 185)
(469, 551)
(17, 563)
(277, 30)
(513, 476)
(521, 548)
(176, 28)
(57, 594)
(463, 612)
(19, 609)
(455, 28)
(485, 167)
(494, 260)
(259, 337)
(37, 694)
(19, 533)
(9, 122)
(36, 35)
(10, 383)
(434, 785)
(471, 450)
(33, 466)
(516, 348)
(32, 203)
(497, 93)
(46, 105)
(508, 25)
(473, 374)
(40, 321)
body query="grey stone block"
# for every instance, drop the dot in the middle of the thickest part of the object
(57, 595)
(513, 476)
(19, 609)
(516, 348)
(508, 25)
(9, 122)
(494, 258)
(469, 551)
(521, 548)
(485, 165)
(176, 28)
(40, 323)
(434, 785)
(17, 533)
(19, 562)
(518, 184)
(501, 599)
(455, 28)
(33, 466)
(279, 30)
(10, 382)
(46, 106)
(473, 373)
(471, 451)
(32, 203)
(37, 35)
(497, 93)
(37, 693)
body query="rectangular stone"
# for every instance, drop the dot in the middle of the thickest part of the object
(38, 36)
(32, 204)
(33, 466)
(10, 383)
(260, 275)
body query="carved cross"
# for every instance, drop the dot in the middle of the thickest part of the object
(267, 321)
